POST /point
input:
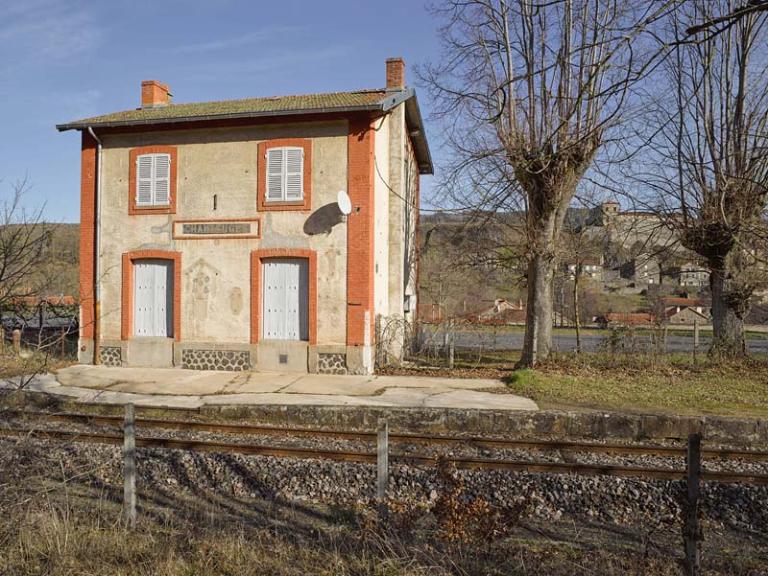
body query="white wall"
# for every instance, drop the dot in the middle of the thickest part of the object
(216, 276)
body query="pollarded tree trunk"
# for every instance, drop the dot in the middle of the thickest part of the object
(547, 207)
(727, 315)
(728, 282)
(538, 313)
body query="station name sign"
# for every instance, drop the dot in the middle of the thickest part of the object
(214, 229)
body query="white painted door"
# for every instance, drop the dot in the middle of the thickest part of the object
(152, 298)
(285, 311)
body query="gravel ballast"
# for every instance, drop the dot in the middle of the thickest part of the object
(625, 501)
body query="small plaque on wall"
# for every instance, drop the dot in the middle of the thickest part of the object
(216, 229)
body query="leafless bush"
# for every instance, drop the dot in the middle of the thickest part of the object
(395, 340)
(24, 239)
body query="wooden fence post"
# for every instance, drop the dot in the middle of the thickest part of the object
(691, 530)
(445, 342)
(695, 338)
(16, 336)
(129, 466)
(382, 460)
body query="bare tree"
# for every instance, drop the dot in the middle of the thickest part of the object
(529, 93)
(709, 155)
(22, 247)
(24, 238)
(718, 23)
(581, 253)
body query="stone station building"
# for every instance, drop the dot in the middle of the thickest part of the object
(265, 234)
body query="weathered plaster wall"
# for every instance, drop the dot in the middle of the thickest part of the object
(382, 224)
(396, 209)
(403, 214)
(216, 272)
(411, 223)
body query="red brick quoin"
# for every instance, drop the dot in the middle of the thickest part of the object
(126, 304)
(87, 234)
(360, 228)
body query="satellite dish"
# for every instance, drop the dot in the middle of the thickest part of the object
(345, 204)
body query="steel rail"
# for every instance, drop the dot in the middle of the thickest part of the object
(370, 457)
(404, 438)
(196, 445)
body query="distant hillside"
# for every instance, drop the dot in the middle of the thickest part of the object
(460, 267)
(62, 259)
(59, 271)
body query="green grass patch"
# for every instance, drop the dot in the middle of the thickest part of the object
(672, 384)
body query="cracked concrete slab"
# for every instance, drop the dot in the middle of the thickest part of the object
(435, 382)
(177, 388)
(328, 384)
(480, 400)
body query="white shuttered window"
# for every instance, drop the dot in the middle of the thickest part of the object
(153, 180)
(285, 299)
(285, 174)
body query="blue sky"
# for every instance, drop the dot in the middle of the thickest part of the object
(62, 60)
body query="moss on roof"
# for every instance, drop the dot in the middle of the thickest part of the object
(243, 107)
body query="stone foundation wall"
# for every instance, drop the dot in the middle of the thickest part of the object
(331, 364)
(750, 433)
(111, 356)
(201, 359)
(545, 424)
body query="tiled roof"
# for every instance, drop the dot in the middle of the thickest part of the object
(331, 102)
(227, 108)
(674, 312)
(675, 301)
(629, 318)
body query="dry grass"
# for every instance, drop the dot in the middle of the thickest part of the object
(76, 540)
(29, 363)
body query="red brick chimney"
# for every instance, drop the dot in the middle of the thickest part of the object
(154, 94)
(395, 74)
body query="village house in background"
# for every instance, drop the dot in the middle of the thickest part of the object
(626, 261)
(591, 268)
(266, 233)
(641, 271)
(687, 310)
(692, 274)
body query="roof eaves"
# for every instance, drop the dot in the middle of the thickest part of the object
(415, 125)
(82, 125)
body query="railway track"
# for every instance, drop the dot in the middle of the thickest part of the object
(474, 441)
(476, 463)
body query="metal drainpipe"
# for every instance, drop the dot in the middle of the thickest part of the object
(97, 263)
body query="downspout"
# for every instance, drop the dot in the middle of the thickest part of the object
(97, 258)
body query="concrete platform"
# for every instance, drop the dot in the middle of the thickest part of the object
(177, 388)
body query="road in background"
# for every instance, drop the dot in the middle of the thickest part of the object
(590, 342)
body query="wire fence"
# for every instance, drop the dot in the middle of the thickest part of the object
(693, 476)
